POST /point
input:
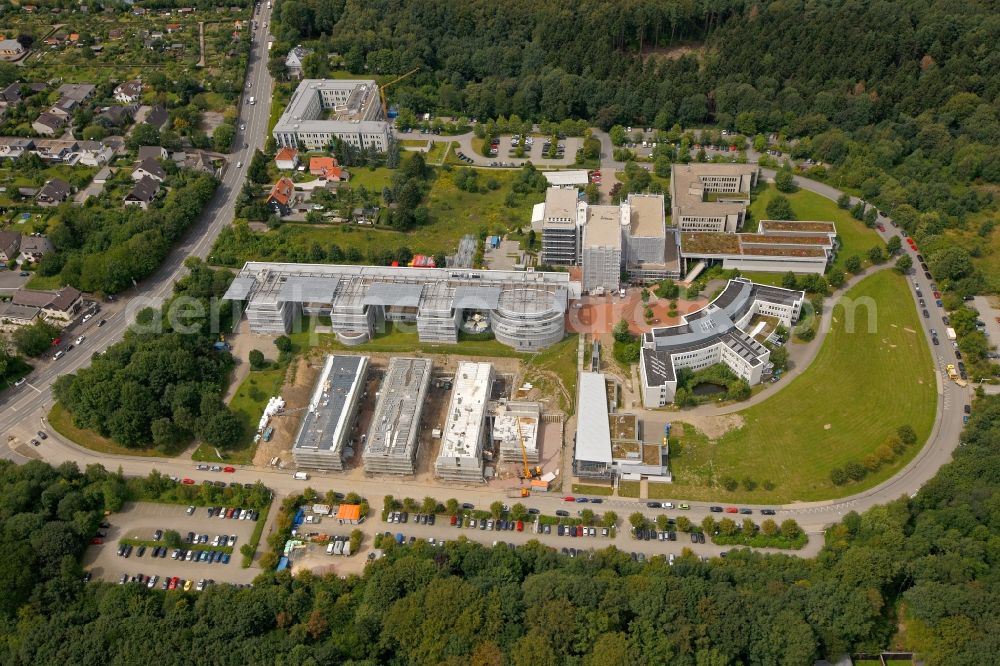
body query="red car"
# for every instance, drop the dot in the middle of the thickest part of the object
(173, 583)
(937, 294)
(732, 509)
(569, 498)
(97, 541)
(187, 482)
(520, 526)
(880, 226)
(579, 530)
(454, 520)
(229, 469)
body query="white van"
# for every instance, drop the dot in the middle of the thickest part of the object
(300, 476)
(329, 548)
(347, 548)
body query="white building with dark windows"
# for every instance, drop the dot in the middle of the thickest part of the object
(718, 333)
(465, 428)
(712, 196)
(602, 248)
(525, 310)
(322, 110)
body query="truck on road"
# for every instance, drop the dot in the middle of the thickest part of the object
(300, 476)
(955, 377)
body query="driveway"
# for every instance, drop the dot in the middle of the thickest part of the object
(11, 280)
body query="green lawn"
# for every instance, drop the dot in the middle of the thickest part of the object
(453, 214)
(37, 281)
(855, 237)
(857, 391)
(584, 489)
(557, 362)
(62, 422)
(248, 403)
(628, 488)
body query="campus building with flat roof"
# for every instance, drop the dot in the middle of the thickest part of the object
(524, 310)
(602, 248)
(325, 432)
(393, 436)
(321, 110)
(712, 196)
(717, 333)
(461, 455)
(777, 246)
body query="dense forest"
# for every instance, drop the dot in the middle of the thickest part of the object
(163, 383)
(927, 566)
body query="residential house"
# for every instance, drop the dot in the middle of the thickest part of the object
(74, 38)
(293, 61)
(56, 150)
(34, 247)
(11, 95)
(94, 153)
(10, 246)
(326, 168)
(53, 192)
(48, 124)
(152, 152)
(64, 108)
(173, 27)
(103, 176)
(77, 91)
(59, 306)
(12, 147)
(115, 116)
(129, 92)
(282, 196)
(115, 34)
(27, 192)
(149, 168)
(11, 48)
(157, 117)
(287, 159)
(14, 316)
(143, 193)
(199, 162)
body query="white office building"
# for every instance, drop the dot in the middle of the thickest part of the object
(323, 109)
(524, 310)
(462, 438)
(602, 248)
(712, 196)
(562, 224)
(718, 333)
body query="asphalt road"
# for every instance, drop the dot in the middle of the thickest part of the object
(22, 411)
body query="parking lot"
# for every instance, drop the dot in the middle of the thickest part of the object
(141, 520)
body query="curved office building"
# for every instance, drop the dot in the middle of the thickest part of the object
(530, 318)
(524, 309)
(718, 333)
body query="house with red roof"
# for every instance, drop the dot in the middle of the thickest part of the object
(326, 168)
(287, 159)
(282, 197)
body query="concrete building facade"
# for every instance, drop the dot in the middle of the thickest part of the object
(524, 310)
(562, 222)
(462, 438)
(324, 435)
(711, 197)
(321, 110)
(393, 436)
(602, 248)
(715, 334)
(517, 424)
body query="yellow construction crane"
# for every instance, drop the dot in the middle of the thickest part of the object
(381, 90)
(529, 473)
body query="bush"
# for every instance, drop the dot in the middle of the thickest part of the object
(856, 471)
(257, 361)
(838, 476)
(729, 483)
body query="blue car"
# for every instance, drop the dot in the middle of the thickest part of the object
(225, 558)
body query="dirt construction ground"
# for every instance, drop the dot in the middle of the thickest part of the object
(140, 520)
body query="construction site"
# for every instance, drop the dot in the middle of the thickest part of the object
(431, 418)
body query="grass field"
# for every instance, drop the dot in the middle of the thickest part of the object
(591, 490)
(248, 403)
(453, 213)
(855, 237)
(857, 391)
(62, 422)
(628, 488)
